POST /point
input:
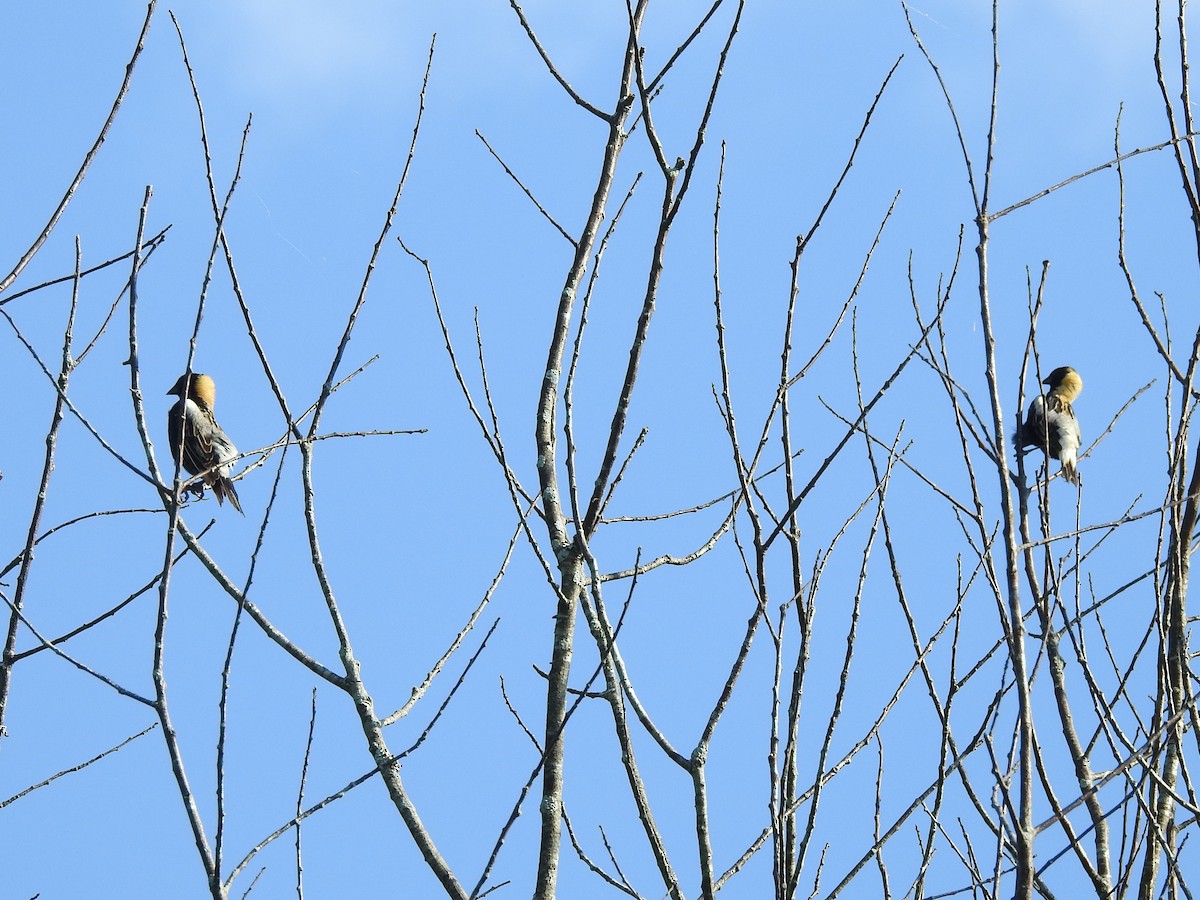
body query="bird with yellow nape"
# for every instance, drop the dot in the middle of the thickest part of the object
(197, 441)
(1050, 423)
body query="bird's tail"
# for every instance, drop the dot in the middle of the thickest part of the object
(224, 490)
(1067, 458)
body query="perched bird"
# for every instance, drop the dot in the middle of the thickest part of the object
(206, 449)
(1051, 424)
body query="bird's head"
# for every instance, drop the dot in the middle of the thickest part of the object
(1065, 382)
(202, 389)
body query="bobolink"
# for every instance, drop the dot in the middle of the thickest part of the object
(1051, 424)
(207, 450)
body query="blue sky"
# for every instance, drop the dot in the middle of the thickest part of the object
(414, 527)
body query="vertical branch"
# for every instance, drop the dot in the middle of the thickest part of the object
(617, 686)
(784, 784)
(161, 707)
(674, 190)
(388, 763)
(782, 864)
(308, 744)
(571, 554)
(569, 558)
(1046, 599)
(1008, 586)
(784, 791)
(1186, 173)
(1174, 688)
(39, 505)
(1011, 586)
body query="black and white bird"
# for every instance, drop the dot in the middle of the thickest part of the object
(1051, 424)
(206, 450)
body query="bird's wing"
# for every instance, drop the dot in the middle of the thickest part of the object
(175, 433)
(1033, 433)
(198, 446)
(223, 450)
